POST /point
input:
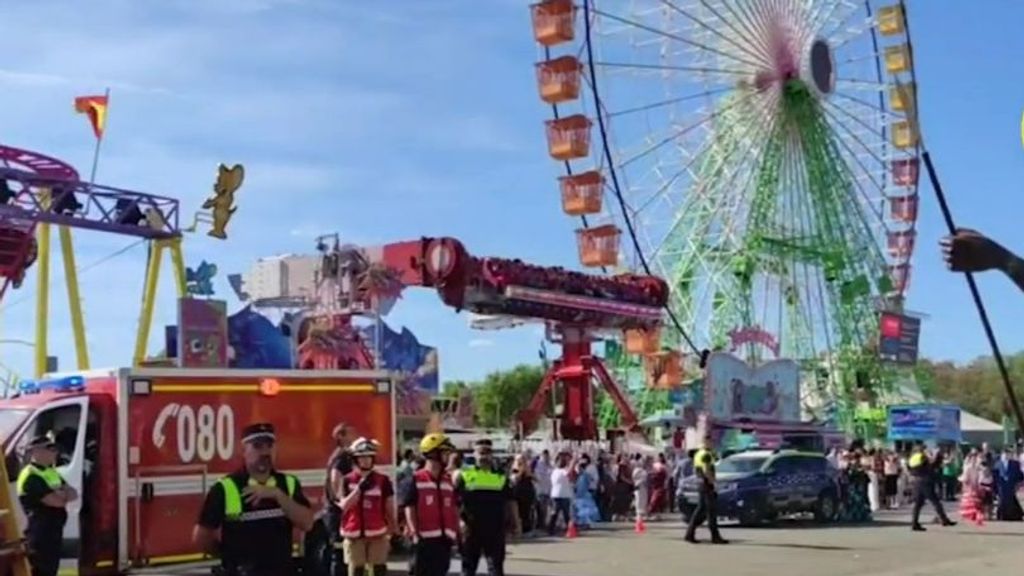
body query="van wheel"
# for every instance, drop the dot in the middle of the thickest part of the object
(751, 517)
(825, 508)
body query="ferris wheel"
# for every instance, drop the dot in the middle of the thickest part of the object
(760, 155)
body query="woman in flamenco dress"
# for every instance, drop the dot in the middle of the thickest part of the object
(585, 509)
(658, 482)
(971, 497)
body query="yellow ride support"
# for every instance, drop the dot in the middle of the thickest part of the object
(43, 296)
(156, 251)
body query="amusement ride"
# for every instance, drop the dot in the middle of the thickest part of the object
(760, 156)
(38, 191)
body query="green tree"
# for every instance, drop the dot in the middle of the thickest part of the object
(498, 397)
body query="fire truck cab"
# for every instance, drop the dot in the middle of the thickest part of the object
(142, 446)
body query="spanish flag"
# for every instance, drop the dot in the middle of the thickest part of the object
(96, 108)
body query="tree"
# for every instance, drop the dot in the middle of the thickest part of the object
(976, 386)
(501, 394)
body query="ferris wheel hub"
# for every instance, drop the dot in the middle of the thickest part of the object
(820, 69)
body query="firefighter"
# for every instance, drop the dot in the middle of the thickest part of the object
(707, 503)
(44, 497)
(256, 510)
(487, 508)
(431, 510)
(367, 504)
(923, 485)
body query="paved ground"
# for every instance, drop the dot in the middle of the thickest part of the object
(885, 548)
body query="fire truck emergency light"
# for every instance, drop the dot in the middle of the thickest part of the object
(66, 384)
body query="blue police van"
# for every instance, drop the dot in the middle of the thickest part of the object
(762, 485)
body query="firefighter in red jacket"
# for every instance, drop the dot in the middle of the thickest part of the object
(431, 509)
(367, 512)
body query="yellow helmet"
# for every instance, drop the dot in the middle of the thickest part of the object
(435, 442)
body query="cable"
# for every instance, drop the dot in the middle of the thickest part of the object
(82, 270)
(615, 182)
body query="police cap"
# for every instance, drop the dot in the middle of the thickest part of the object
(258, 431)
(46, 440)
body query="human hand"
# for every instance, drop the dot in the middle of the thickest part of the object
(971, 251)
(253, 494)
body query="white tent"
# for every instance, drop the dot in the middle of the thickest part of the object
(976, 429)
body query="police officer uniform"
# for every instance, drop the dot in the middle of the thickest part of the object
(485, 498)
(256, 537)
(45, 530)
(429, 499)
(707, 503)
(921, 472)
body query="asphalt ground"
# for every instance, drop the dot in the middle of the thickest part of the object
(885, 547)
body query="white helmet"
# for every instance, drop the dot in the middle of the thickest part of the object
(363, 447)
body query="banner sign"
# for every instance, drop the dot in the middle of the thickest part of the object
(735, 390)
(925, 422)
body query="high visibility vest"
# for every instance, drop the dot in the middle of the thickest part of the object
(367, 518)
(49, 475)
(700, 461)
(233, 509)
(916, 463)
(475, 479)
(436, 510)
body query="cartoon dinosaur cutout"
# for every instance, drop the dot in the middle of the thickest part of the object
(221, 204)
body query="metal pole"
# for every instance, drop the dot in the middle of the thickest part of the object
(976, 296)
(99, 140)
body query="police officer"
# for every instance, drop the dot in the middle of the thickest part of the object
(487, 507)
(256, 510)
(923, 485)
(707, 504)
(44, 497)
(431, 512)
(367, 504)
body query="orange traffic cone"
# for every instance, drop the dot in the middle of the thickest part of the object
(640, 527)
(572, 532)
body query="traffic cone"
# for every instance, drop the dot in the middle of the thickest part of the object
(571, 531)
(640, 527)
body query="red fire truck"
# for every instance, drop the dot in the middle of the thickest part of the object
(142, 446)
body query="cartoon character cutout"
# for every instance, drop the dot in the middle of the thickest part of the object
(737, 396)
(222, 203)
(770, 403)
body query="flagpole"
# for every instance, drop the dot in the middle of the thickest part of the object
(99, 140)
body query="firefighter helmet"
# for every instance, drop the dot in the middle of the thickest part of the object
(363, 447)
(435, 442)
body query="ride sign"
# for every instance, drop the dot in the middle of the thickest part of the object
(202, 433)
(735, 390)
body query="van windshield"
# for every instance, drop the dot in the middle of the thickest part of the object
(10, 419)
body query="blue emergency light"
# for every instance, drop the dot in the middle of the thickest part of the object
(65, 384)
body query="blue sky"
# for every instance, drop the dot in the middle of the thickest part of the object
(385, 121)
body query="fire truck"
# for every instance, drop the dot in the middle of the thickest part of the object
(142, 446)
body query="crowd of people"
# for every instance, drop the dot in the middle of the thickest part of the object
(985, 480)
(586, 484)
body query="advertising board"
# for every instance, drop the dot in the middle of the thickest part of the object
(939, 422)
